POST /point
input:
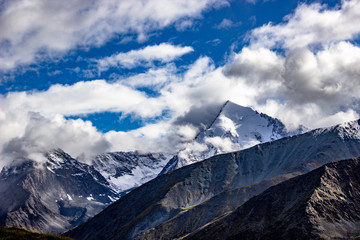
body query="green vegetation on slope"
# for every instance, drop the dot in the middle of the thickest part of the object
(15, 234)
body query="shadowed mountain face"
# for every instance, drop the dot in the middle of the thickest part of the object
(153, 210)
(62, 192)
(51, 197)
(323, 204)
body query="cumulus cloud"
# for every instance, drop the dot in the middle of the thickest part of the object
(34, 30)
(310, 25)
(256, 65)
(163, 52)
(315, 76)
(222, 144)
(38, 135)
(83, 98)
(304, 85)
(74, 135)
(226, 24)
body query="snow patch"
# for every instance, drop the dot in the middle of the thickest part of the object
(69, 197)
(50, 170)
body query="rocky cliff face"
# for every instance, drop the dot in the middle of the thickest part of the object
(234, 128)
(323, 204)
(233, 177)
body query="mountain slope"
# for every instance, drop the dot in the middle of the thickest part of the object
(323, 204)
(127, 170)
(192, 218)
(51, 197)
(62, 192)
(234, 128)
(169, 195)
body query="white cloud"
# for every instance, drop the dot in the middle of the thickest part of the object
(256, 65)
(303, 87)
(304, 83)
(184, 24)
(222, 144)
(33, 135)
(226, 24)
(187, 132)
(83, 98)
(163, 52)
(309, 25)
(38, 29)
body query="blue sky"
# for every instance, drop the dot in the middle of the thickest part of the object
(124, 75)
(205, 34)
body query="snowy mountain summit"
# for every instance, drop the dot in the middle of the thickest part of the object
(235, 128)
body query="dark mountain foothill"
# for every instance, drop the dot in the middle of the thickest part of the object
(322, 204)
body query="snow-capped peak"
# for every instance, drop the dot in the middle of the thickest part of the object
(346, 130)
(349, 129)
(235, 128)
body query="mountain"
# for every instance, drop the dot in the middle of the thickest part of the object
(62, 192)
(234, 128)
(52, 196)
(127, 170)
(178, 203)
(323, 204)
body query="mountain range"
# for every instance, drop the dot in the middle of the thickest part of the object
(62, 192)
(75, 191)
(183, 201)
(193, 194)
